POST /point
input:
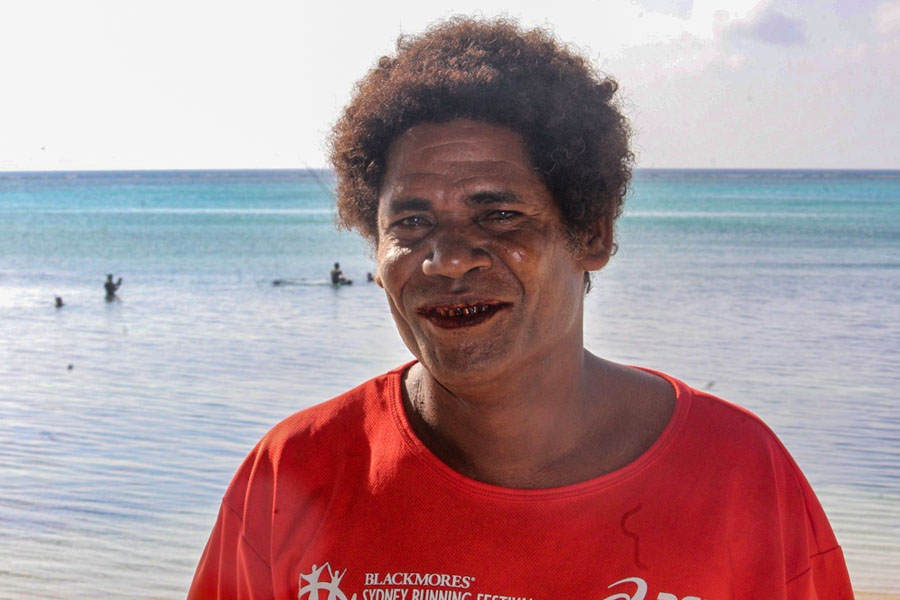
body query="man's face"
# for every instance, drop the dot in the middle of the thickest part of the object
(473, 255)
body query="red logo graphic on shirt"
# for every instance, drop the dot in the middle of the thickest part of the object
(311, 590)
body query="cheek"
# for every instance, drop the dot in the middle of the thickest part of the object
(393, 281)
(537, 254)
(518, 256)
(520, 248)
(394, 267)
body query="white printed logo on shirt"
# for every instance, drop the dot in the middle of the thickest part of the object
(641, 592)
(313, 582)
(314, 585)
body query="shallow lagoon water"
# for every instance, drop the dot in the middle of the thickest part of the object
(775, 290)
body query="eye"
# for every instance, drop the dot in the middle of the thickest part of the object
(410, 228)
(412, 222)
(501, 216)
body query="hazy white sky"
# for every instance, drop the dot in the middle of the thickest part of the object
(177, 84)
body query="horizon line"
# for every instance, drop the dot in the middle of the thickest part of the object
(328, 169)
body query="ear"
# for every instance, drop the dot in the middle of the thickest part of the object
(377, 276)
(375, 248)
(598, 245)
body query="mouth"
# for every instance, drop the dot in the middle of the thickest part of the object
(455, 316)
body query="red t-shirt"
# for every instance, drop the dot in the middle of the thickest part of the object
(342, 501)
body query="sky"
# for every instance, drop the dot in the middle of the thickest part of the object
(196, 84)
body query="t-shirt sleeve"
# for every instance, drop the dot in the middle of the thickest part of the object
(825, 574)
(229, 567)
(826, 579)
(785, 538)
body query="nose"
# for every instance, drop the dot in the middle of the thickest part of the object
(455, 251)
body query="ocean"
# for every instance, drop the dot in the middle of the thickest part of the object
(122, 422)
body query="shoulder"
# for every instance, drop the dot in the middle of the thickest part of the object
(334, 421)
(310, 446)
(743, 462)
(723, 442)
(739, 434)
(705, 420)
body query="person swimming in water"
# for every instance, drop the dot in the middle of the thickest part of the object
(111, 287)
(337, 276)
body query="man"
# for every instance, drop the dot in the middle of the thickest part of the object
(487, 165)
(111, 287)
(337, 276)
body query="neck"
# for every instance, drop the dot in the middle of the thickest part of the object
(534, 430)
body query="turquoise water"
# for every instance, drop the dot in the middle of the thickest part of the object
(777, 290)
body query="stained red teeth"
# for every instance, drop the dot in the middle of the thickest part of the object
(461, 311)
(458, 317)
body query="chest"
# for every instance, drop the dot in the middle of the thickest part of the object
(428, 541)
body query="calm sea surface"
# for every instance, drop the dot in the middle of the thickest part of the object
(121, 423)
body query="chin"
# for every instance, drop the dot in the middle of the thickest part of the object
(465, 365)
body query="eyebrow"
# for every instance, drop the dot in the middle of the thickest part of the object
(486, 198)
(409, 205)
(493, 197)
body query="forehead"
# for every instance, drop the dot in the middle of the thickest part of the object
(461, 152)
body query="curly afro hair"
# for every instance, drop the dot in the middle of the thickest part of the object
(491, 71)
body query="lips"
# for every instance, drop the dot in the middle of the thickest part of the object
(454, 316)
